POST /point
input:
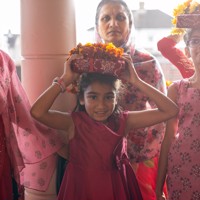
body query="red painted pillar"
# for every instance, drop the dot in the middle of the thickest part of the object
(47, 34)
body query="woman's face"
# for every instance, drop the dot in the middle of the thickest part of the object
(113, 24)
(194, 46)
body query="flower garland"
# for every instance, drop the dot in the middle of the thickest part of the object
(98, 50)
(187, 7)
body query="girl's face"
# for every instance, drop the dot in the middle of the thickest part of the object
(99, 101)
(194, 47)
(113, 24)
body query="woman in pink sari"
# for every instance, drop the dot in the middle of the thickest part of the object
(27, 154)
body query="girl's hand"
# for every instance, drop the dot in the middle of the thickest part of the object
(130, 75)
(68, 74)
(176, 38)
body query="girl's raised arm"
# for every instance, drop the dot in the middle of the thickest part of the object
(41, 108)
(165, 110)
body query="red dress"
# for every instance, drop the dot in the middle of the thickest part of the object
(98, 167)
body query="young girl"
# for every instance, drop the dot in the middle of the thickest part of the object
(98, 165)
(180, 150)
(167, 45)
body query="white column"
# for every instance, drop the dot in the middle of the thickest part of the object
(47, 34)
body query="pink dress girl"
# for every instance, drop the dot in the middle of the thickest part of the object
(183, 159)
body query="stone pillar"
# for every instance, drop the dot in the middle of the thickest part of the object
(47, 34)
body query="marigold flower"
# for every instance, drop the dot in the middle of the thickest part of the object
(177, 31)
(187, 7)
(168, 83)
(98, 50)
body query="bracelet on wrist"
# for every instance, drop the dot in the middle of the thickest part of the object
(60, 83)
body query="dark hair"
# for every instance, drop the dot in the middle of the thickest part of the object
(88, 78)
(123, 3)
(188, 34)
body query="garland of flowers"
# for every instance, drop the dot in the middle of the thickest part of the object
(95, 50)
(187, 7)
(98, 50)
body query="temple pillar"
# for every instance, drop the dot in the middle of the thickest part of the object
(47, 34)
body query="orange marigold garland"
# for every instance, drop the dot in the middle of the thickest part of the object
(187, 7)
(98, 50)
(107, 52)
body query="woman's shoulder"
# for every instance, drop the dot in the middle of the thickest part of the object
(142, 55)
(179, 82)
(179, 85)
(146, 60)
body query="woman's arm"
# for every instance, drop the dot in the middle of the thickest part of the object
(166, 108)
(171, 129)
(167, 47)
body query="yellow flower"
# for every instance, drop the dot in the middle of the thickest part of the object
(194, 5)
(168, 83)
(149, 163)
(187, 7)
(177, 31)
(187, 3)
(174, 21)
(98, 50)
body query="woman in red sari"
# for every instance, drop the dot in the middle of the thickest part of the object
(114, 23)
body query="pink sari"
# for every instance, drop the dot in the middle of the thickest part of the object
(30, 145)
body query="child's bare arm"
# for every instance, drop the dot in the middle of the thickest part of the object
(41, 109)
(166, 108)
